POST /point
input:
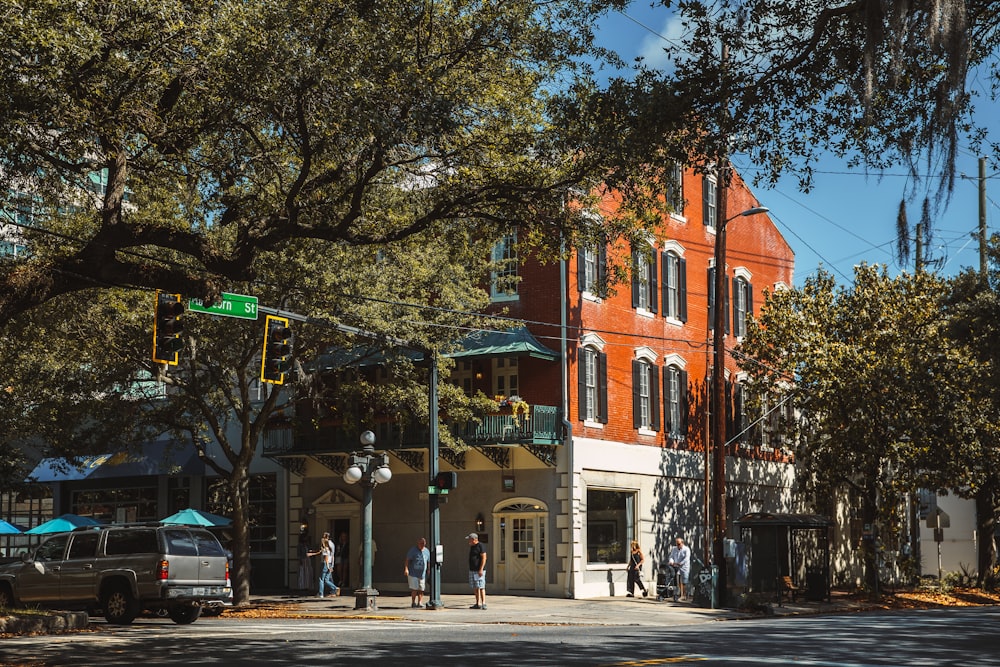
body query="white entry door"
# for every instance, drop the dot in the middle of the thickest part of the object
(521, 560)
(521, 553)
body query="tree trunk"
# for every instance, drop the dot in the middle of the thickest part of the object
(869, 540)
(986, 509)
(239, 487)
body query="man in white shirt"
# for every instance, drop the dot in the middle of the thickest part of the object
(680, 557)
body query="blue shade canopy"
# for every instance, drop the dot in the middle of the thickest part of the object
(62, 523)
(190, 517)
(8, 528)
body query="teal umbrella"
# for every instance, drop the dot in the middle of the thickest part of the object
(62, 523)
(8, 528)
(190, 517)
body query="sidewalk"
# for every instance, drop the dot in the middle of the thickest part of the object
(533, 610)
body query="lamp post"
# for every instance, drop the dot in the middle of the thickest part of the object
(718, 402)
(369, 469)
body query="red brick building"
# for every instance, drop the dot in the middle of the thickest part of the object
(607, 441)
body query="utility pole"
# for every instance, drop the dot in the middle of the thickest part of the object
(718, 316)
(982, 219)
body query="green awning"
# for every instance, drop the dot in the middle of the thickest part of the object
(510, 343)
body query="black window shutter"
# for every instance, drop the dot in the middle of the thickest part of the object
(711, 298)
(667, 424)
(654, 396)
(636, 412)
(635, 280)
(683, 401)
(602, 269)
(682, 289)
(653, 288)
(664, 280)
(581, 270)
(602, 387)
(737, 325)
(582, 384)
(749, 298)
(725, 304)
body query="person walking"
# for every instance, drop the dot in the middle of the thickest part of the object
(477, 570)
(680, 558)
(415, 571)
(635, 561)
(326, 567)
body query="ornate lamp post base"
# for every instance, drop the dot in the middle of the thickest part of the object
(366, 598)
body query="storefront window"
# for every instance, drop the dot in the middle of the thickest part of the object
(610, 525)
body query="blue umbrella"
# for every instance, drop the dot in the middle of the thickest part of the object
(62, 523)
(190, 517)
(8, 528)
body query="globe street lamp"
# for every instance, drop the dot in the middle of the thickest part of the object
(718, 402)
(368, 469)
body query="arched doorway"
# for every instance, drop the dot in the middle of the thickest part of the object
(522, 548)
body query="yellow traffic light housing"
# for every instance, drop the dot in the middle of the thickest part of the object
(167, 328)
(276, 357)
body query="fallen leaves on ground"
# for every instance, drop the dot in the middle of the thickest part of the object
(935, 598)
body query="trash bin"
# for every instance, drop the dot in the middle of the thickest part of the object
(815, 584)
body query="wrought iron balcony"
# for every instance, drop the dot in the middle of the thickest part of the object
(541, 425)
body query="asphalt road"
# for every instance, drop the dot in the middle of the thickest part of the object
(964, 637)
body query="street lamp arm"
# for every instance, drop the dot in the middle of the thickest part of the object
(750, 211)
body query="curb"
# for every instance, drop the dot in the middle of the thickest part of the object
(50, 623)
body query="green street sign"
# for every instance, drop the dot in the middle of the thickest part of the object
(232, 305)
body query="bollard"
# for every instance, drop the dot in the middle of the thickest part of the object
(611, 583)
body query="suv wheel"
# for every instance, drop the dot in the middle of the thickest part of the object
(120, 607)
(186, 614)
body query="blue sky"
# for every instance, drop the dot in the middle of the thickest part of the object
(848, 217)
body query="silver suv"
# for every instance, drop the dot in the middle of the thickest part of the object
(122, 570)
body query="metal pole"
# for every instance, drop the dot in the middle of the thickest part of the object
(719, 364)
(433, 466)
(366, 532)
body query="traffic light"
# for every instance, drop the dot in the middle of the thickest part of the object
(167, 328)
(276, 358)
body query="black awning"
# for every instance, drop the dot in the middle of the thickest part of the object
(785, 520)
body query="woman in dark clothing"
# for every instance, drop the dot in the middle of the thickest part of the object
(635, 562)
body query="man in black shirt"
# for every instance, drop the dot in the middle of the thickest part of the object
(477, 570)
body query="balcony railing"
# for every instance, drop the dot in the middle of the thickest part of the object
(542, 425)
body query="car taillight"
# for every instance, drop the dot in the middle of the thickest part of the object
(163, 572)
(227, 574)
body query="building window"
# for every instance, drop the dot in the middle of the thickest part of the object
(674, 190)
(741, 422)
(675, 406)
(674, 286)
(591, 270)
(644, 283)
(262, 509)
(610, 525)
(117, 505)
(742, 304)
(645, 395)
(503, 279)
(708, 193)
(505, 376)
(594, 386)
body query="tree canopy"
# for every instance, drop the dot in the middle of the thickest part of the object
(133, 128)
